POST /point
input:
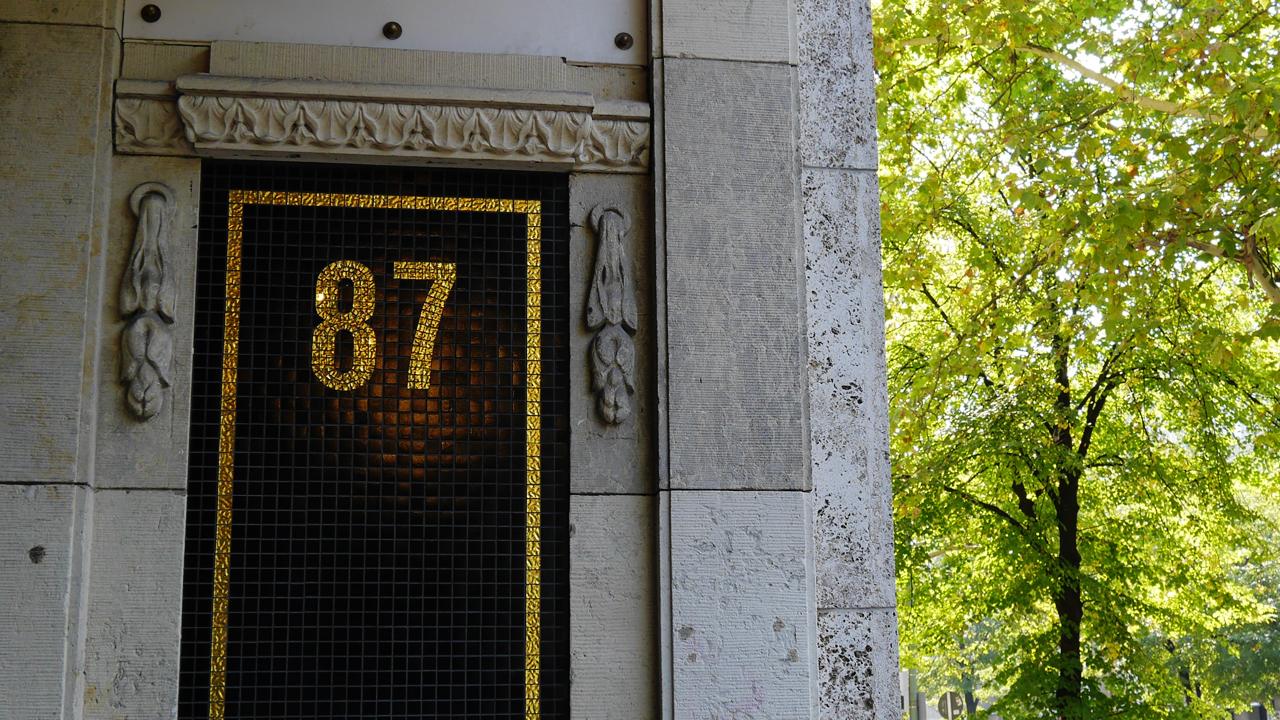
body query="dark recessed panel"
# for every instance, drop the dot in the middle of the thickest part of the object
(378, 490)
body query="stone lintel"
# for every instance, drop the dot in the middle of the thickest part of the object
(215, 116)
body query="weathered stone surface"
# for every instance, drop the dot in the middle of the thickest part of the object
(740, 605)
(858, 665)
(837, 84)
(104, 13)
(848, 402)
(734, 276)
(613, 613)
(41, 531)
(146, 60)
(151, 454)
(606, 458)
(756, 30)
(135, 605)
(227, 116)
(426, 67)
(55, 126)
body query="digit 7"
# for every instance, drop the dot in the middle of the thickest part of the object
(442, 276)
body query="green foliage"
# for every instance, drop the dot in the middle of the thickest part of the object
(1081, 204)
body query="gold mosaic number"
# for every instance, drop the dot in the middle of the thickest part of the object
(442, 276)
(324, 350)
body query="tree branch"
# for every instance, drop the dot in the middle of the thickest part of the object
(994, 509)
(1115, 86)
(1250, 256)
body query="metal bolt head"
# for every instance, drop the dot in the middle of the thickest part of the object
(623, 41)
(150, 13)
(392, 30)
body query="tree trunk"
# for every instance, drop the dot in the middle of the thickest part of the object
(1069, 602)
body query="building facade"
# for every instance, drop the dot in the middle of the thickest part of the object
(401, 359)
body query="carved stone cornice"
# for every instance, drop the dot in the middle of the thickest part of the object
(206, 115)
(147, 121)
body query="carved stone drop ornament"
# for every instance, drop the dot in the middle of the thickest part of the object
(611, 310)
(148, 295)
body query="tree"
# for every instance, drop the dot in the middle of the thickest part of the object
(1080, 216)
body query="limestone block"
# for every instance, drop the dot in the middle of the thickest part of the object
(858, 665)
(135, 605)
(41, 529)
(152, 453)
(734, 278)
(146, 60)
(426, 67)
(755, 30)
(837, 84)
(103, 13)
(613, 613)
(848, 402)
(741, 614)
(604, 457)
(55, 124)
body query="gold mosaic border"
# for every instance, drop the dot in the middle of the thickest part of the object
(532, 210)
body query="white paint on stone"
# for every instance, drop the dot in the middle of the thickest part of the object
(135, 605)
(581, 30)
(741, 607)
(613, 613)
(848, 403)
(858, 665)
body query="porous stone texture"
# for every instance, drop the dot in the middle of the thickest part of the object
(135, 605)
(858, 665)
(754, 30)
(150, 454)
(55, 126)
(848, 402)
(837, 84)
(41, 532)
(613, 613)
(607, 458)
(734, 278)
(741, 610)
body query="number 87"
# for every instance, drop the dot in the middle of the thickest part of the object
(324, 357)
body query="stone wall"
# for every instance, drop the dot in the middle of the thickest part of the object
(849, 413)
(731, 546)
(57, 63)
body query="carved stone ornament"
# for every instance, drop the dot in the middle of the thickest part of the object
(611, 311)
(147, 120)
(233, 116)
(148, 296)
